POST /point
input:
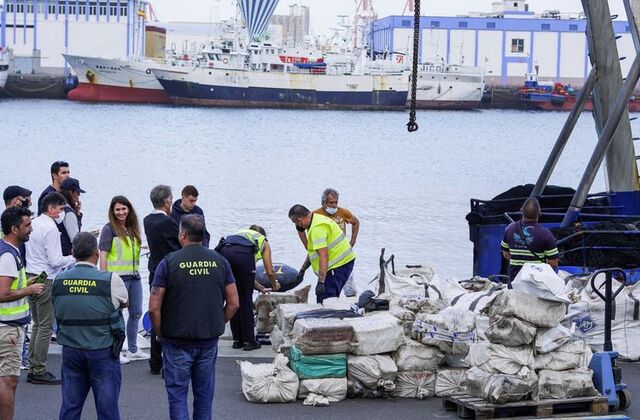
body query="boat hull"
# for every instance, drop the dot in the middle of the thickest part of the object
(550, 102)
(446, 105)
(264, 90)
(89, 92)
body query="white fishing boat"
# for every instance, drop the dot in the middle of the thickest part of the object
(4, 67)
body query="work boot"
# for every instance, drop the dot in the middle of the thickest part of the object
(254, 345)
(237, 344)
(46, 378)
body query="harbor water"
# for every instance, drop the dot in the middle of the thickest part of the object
(410, 191)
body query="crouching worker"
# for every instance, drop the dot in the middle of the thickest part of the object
(193, 295)
(87, 304)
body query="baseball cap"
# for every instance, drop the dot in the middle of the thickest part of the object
(14, 191)
(71, 184)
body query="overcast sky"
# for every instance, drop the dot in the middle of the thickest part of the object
(324, 12)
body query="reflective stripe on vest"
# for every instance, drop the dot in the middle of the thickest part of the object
(255, 237)
(338, 247)
(123, 258)
(17, 309)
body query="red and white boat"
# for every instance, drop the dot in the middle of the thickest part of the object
(115, 80)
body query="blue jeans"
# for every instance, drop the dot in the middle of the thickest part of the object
(134, 289)
(184, 365)
(90, 369)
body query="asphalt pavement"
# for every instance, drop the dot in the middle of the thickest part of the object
(143, 396)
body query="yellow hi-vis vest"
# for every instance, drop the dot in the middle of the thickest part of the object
(124, 256)
(255, 237)
(325, 233)
(17, 309)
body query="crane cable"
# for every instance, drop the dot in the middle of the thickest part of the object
(412, 125)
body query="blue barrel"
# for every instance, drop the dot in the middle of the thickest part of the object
(287, 276)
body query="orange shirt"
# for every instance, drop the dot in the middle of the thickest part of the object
(342, 217)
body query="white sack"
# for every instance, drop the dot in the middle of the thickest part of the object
(451, 330)
(566, 384)
(510, 331)
(476, 302)
(499, 389)
(542, 313)
(588, 314)
(340, 303)
(450, 382)
(416, 304)
(372, 371)
(286, 314)
(377, 333)
(415, 384)
(568, 356)
(549, 339)
(269, 382)
(540, 280)
(266, 303)
(334, 389)
(415, 356)
(496, 358)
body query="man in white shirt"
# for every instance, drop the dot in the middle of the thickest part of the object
(44, 253)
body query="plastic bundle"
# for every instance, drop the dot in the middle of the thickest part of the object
(322, 336)
(568, 356)
(333, 389)
(451, 330)
(539, 312)
(269, 382)
(376, 333)
(450, 382)
(496, 358)
(415, 384)
(413, 355)
(510, 331)
(566, 384)
(287, 312)
(265, 304)
(499, 389)
(319, 365)
(373, 371)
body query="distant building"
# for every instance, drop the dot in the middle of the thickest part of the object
(45, 29)
(294, 27)
(508, 42)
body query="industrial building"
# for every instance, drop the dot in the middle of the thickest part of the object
(508, 42)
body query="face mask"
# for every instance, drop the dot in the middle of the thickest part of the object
(331, 210)
(25, 204)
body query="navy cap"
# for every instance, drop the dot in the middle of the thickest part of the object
(14, 191)
(71, 184)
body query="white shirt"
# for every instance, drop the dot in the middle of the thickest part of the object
(119, 294)
(8, 267)
(44, 250)
(156, 211)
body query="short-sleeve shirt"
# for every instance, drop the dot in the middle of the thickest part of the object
(342, 216)
(8, 266)
(519, 237)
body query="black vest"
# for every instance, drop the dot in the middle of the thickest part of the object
(193, 305)
(65, 241)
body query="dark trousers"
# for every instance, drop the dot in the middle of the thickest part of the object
(243, 265)
(155, 361)
(83, 370)
(335, 280)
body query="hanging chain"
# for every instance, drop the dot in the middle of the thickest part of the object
(412, 125)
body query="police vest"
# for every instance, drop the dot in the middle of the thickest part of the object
(65, 240)
(124, 255)
(325, 233)
(83, 308)
(17, 311)
(193, 305)
(256, 238)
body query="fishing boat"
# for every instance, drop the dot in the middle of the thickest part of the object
(4, 67)
(551, 96)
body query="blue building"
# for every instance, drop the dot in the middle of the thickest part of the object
(508, 42)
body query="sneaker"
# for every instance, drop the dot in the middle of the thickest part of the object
(124, 359)
(251, 346)
(25, 366)
(138, 355)
(46, 378)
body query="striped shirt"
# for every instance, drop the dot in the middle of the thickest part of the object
(519, 237)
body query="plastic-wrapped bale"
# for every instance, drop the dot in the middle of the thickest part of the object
(416, 304)
(476, 302)
(269, 382)
(376, 333)
(451, 330)
(496, 358)
(450, 382)
(541, 313)
(415, 356)
(333, 389)
(571, 355)
(510, 331)
(498, 388)
(322, 336)
(265, 304)
(549, 339)
(415, 384)
(287, 312)
(566, 384)
(317, 366)
(375, 372)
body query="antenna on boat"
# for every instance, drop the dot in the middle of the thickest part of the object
(412, 125)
